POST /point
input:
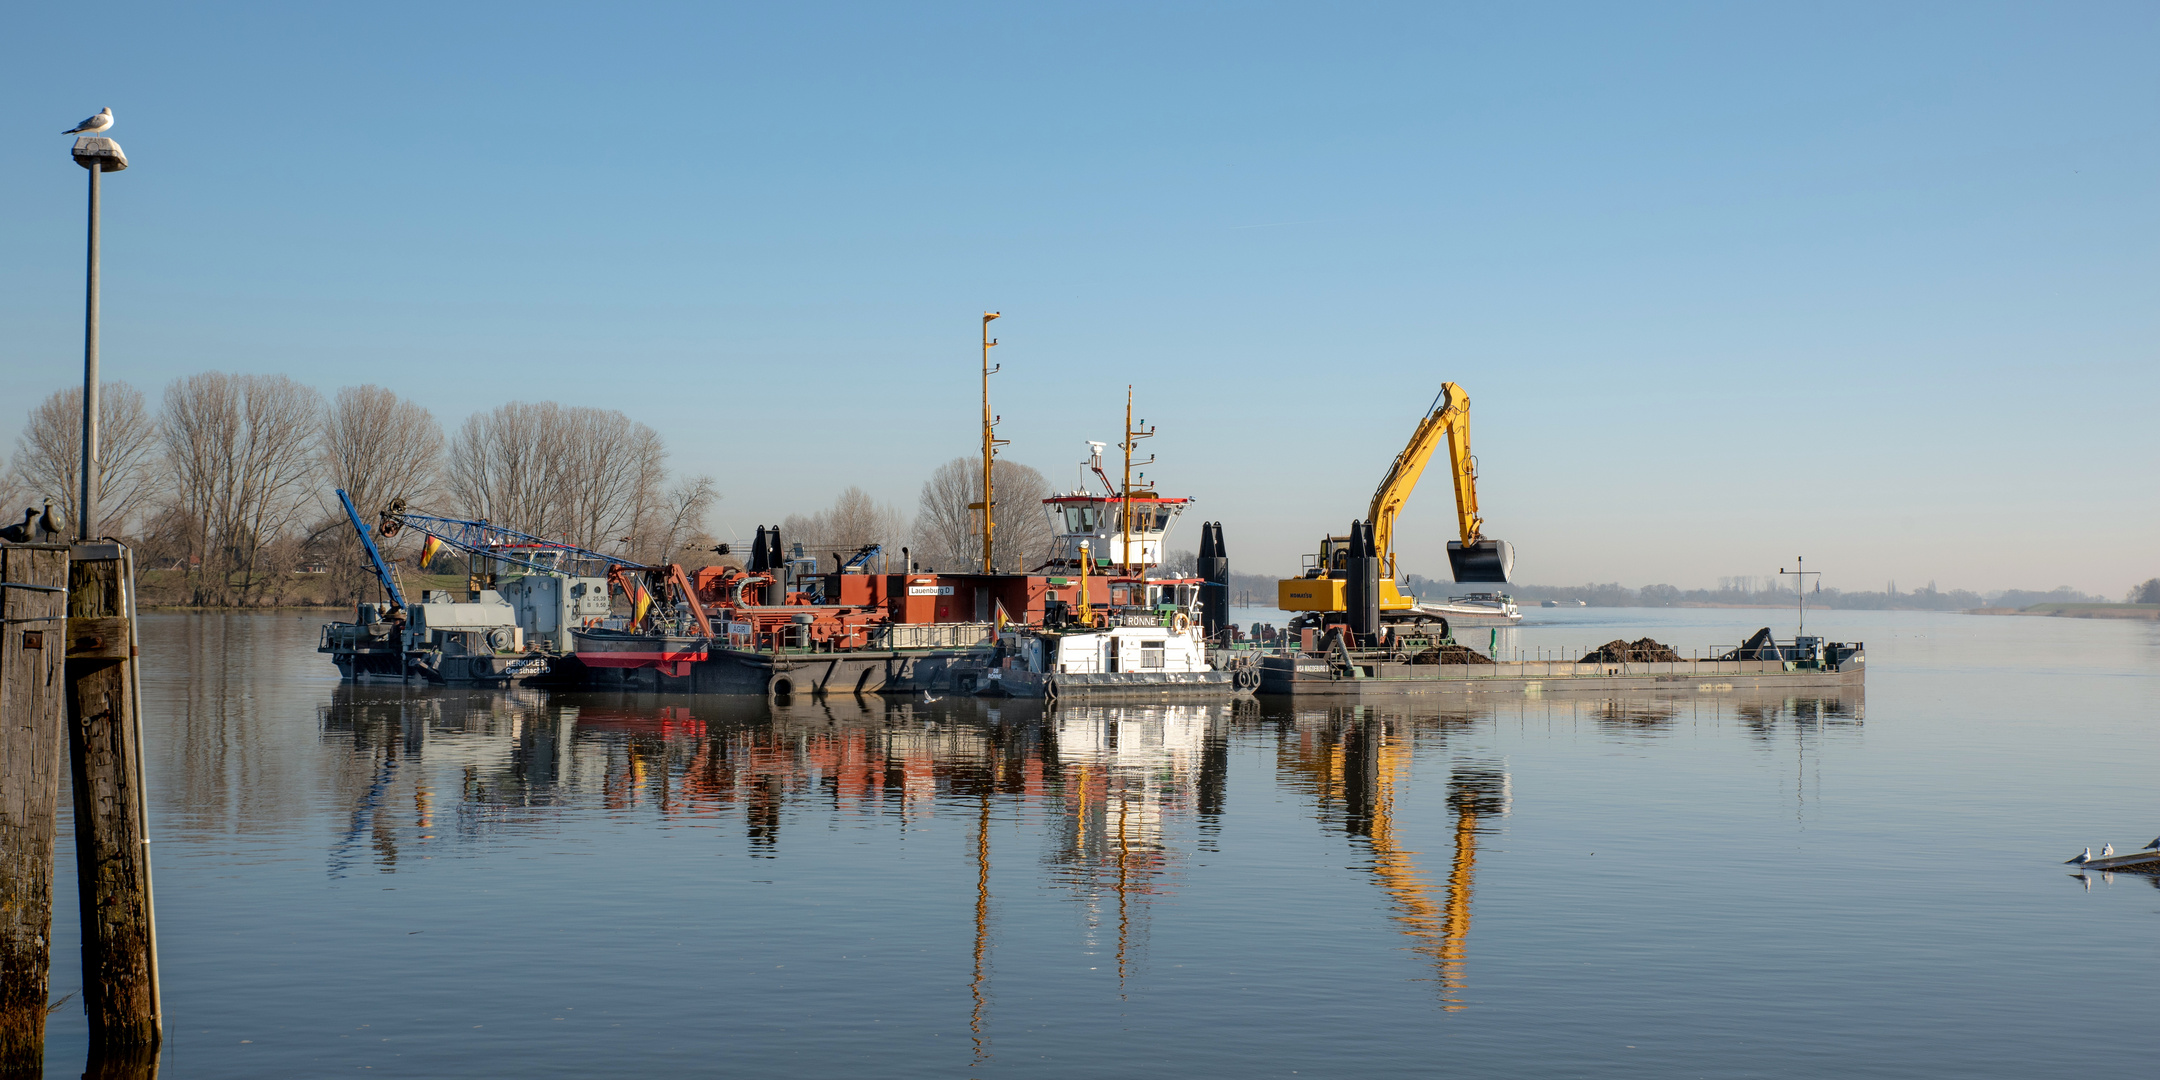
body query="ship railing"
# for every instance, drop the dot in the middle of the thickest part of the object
(933, 635)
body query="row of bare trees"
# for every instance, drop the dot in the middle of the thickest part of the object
(231, 482)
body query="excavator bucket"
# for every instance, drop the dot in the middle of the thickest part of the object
(1485, 562)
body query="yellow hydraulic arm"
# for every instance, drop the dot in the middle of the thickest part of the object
(1449, 419)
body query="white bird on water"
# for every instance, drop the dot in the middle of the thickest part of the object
(2082, 858)
(93, 125)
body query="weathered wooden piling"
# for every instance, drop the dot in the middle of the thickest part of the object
(33, 626)
(112, 843)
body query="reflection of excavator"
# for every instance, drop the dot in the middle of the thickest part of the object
(1474, 558)
(1473, 791)
(1364, 767)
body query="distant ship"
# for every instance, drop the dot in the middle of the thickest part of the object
(1565, 603)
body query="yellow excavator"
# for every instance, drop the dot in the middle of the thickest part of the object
(1474, 558)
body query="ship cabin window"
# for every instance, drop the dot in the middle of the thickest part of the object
(1082, 518)
(1148, 520)
(1151, 655)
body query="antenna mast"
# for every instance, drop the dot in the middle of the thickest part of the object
(1132, 439)
(990, 444)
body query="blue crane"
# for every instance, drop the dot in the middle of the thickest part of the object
(367, 540)
(482, 538)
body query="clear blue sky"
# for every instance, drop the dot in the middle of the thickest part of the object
(1727, 282)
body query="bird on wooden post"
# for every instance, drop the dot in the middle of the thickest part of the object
(20, 534)
(48, 526)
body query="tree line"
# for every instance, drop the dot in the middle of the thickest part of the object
(226, 488)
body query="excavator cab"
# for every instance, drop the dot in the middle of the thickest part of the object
(1482, 561)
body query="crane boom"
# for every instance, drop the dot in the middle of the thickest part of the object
(1449, 419)
(382, 569)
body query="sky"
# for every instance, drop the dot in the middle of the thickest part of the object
(1727, 283)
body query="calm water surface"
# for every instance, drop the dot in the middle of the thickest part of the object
(414, 882)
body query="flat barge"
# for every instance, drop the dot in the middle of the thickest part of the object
(1351, 675)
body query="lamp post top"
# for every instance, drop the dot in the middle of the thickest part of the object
(99, 152)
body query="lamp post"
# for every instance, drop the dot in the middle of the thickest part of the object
(100, 155)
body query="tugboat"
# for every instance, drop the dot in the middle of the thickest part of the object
(1122, 634)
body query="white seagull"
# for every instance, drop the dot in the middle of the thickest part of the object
(2081, 859)
(2107, 852)
(93, 125)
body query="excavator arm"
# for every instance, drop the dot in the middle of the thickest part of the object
(1448, 419)
(1474, 558)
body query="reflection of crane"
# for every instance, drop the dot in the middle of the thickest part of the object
(1473, 791)
(1474, 558)
(982, 922)
(1362, 770)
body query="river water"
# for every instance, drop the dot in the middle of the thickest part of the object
(427, 883)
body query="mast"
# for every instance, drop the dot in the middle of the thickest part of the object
(1132, 439)
(990, 444)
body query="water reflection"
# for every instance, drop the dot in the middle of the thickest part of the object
(1125, 794)
(1355, 761)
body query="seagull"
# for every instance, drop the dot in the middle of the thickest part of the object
(2082, 858)
(20, 534)
(93, 125)
(927, 699)
(48, 526)
(2107, 852)
(2154, 845)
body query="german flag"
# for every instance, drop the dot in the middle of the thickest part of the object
(429, 548)
(640, 602)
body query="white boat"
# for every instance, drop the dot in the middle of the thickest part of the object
(1475, 609)
(1144, 658)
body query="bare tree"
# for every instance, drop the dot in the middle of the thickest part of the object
(377, 447)
(609, 470)
(499, 466)
(948, 535)
(589, 476)
(854, 521)
(241, 453)
(679, 523)
(48, 455)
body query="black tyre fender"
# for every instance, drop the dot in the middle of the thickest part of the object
(781, 685)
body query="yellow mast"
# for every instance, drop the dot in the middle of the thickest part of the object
(990, 444)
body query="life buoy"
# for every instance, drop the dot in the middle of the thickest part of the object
(1180, 622)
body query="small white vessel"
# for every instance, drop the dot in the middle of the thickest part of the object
(1475, 609)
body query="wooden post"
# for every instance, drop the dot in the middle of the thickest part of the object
(33, 626)
(112, 852)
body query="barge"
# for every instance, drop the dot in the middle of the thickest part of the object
(1332, 670)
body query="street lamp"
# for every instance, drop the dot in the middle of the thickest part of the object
(100, 155)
